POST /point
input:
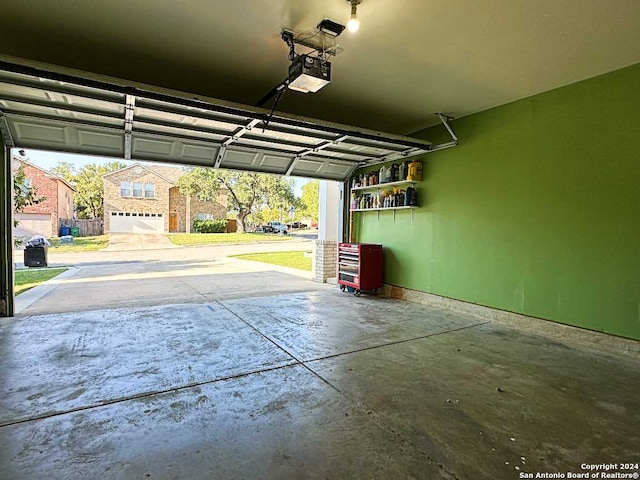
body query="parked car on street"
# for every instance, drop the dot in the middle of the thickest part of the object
(298, 225)
(277, 227)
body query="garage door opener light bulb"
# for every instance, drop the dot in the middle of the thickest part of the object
(353, 24)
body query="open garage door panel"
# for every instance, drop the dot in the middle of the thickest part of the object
(46, 110)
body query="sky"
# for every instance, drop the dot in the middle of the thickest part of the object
(48, 160)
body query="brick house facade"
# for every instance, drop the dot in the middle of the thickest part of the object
(146, 199)
(43, 218)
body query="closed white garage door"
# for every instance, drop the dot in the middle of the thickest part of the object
(130, 222)
(33, 224)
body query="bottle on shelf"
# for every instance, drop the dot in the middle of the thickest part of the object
(411, 197)
(382, 175)
(394, 172)
(402, 171)
(415, 171)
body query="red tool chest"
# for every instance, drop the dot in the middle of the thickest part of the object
(360, 266)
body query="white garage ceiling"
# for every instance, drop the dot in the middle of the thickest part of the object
(410, 58)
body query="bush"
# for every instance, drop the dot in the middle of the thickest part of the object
(210, 226)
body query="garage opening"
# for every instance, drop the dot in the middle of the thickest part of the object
(53, 111)
(157, 242)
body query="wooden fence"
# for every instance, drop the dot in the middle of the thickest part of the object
(232, 225)
(88, 227)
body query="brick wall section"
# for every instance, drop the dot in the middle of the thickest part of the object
(167, 197)
(59, 196)
(178, 204)
(65, 201)
(114, 202)
(325, 260)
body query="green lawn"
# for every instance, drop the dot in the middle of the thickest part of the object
(214, 238)
(285, 259)
(26, 279)
(81, 244)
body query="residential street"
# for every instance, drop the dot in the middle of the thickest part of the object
(164, 252)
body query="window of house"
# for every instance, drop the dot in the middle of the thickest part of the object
(125, 189)
(205, 216)
(149, 190)
(137, 189)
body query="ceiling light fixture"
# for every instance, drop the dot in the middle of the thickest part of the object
(354, 24)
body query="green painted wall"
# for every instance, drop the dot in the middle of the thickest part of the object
(537, 211)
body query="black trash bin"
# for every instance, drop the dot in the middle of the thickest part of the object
(35, 253)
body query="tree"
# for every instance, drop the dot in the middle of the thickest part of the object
(246, 191)
(65, 170)
(88, 185)
(24, 194)
(267, 215)
(310, 199)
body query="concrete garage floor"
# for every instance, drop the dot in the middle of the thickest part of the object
(313, 384)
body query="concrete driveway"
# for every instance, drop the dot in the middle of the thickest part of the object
(147, 241)
(130, 277)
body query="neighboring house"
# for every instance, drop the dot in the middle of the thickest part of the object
(146, 199)
(43, 217)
